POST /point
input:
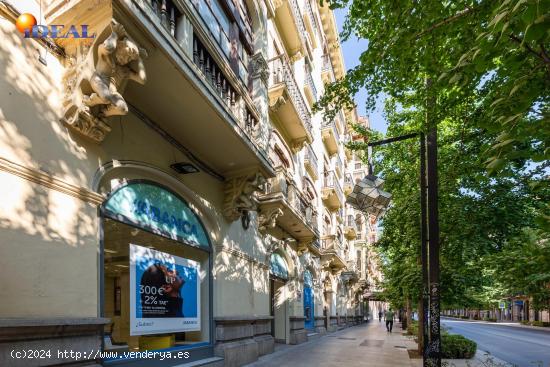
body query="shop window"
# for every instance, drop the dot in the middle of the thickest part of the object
(156, 266)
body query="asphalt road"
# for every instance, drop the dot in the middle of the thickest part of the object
(518, 346)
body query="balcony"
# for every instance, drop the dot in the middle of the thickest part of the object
(298, 217)
(338, 165)
(345, 140)
(350, 228)
(287, 104)
(196, 93)
(309, 87)
(291, 27)
(312, 24)
(331, 137)
(310, 162)
(348, 183)
(327, 73)
(351, 273)
(332, 255)
(332, 194)
(340, 122)
(315, 247)
(340, 215)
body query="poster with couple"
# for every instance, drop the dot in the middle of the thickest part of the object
(164, 292)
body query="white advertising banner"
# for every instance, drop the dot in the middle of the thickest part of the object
(164, 292)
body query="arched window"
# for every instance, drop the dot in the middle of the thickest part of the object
(278, 266)
(155, 270)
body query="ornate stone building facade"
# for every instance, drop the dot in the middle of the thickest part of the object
(167, 186)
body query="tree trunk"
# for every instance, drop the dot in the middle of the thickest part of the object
(408, 318)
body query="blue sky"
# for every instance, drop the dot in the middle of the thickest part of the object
(352, 49)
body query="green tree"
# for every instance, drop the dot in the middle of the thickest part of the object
(495, 50)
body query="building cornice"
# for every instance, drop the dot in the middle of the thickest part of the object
(50, 182)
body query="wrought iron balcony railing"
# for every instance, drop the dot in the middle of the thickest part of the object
(280, 72)
(338, 165)
(313, 18)
(350, 222)
(332, 243)
(299, 20)
(348, 179)
(311, 160)
(309, 82)
(332, 125)
(294, 199)
(327, 67)
(331, 181)
(169, 15)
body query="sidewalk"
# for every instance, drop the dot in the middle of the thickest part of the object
(364, 345)
(367, 345)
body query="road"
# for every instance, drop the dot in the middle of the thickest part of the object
(518, 346)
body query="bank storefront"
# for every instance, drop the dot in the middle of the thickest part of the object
(156, 283)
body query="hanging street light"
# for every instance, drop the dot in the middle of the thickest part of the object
(368, 197)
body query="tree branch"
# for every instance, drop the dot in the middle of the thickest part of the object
(445, 21)
(529, 48)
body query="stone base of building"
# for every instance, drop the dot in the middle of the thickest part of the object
(241, 340)
(55, 334)
(320, 324)
(298, 333)
(333, 324)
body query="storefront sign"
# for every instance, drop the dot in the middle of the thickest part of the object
(152, 207)
(164, 292)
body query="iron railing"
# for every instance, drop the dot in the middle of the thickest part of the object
(168, 15)
(332, 125)
(280, 72)
(332, 243)
(313, 19)
(299, 21)
(338, 165)
(350, 222)
(327, 66)
(348, 179)
(294, 198)
(311, 158)
(331, 181)
(309, 81)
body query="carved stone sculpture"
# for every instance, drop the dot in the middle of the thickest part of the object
(94, 83)
(239, 195)
(267, 219)
(259, 67)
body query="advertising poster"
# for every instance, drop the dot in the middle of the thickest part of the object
(164, 292)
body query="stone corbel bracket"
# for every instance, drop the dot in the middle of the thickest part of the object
(260, 68)
(240, 195)
(267, 219)
(95, 80)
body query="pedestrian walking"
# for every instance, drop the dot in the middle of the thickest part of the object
(389, 320)
(380, 316)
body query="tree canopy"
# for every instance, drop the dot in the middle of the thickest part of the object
(480, 71)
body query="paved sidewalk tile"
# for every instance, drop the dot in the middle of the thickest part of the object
(364, 345)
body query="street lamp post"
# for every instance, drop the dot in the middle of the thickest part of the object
(367, 196)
